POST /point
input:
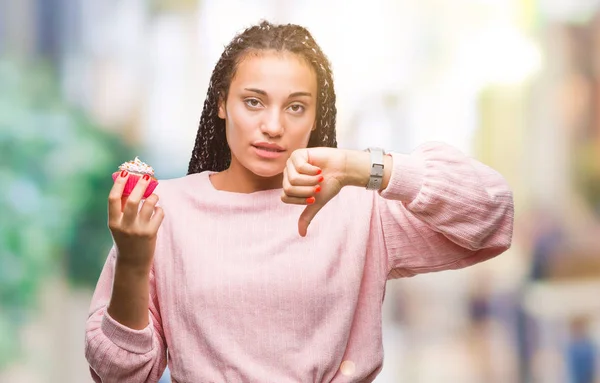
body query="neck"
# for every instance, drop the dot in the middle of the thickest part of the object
(238, 179)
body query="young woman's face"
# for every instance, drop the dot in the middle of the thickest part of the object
(270, 110)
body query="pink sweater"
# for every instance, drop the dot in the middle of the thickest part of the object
(238, 296)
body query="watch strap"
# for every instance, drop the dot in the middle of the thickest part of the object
(376, 168)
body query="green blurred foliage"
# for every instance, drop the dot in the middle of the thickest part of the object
(55, 173)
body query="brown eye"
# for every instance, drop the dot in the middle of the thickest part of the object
(252, 102)
(297, 108)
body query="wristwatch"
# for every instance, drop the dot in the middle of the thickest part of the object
(376, 175)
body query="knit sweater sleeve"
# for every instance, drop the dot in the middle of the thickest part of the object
(116, 353)
(442, 210)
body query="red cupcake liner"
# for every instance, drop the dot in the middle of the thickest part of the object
(132, 181)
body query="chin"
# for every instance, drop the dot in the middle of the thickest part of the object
(267, 170)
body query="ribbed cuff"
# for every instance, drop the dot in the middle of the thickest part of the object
(136, 341)
(408, 173)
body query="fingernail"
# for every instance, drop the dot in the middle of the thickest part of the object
(318, 189)
(321, 179)
(124, 173)
(310, 200)
(319, 171)
(146, 177)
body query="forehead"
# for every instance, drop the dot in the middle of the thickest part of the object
(275, 72)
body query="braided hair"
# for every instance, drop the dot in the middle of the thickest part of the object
(211, 151)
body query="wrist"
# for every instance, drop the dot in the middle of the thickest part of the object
(358, 169)
(129, 300)
(132, 270)
(134, 259)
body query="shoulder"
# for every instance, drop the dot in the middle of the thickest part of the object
(180, 183)
(182, 188)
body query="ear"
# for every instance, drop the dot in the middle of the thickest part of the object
(222, 111)
(314, 127)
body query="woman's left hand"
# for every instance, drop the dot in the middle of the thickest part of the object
(312, 177)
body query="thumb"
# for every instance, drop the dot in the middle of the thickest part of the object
(306, 218)
(301, 161)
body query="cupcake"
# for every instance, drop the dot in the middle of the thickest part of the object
(137, 169)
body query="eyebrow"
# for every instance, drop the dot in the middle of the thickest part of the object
(295, 94)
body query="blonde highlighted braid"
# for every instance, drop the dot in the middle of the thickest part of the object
(211, 151)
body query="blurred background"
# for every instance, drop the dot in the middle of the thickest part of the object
(88, 84)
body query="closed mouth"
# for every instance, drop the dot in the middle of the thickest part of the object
(269, 149)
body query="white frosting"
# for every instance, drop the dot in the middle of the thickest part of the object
(137, 166)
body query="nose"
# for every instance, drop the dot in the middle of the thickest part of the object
(272, 124)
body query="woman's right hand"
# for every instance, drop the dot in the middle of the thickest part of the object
(134, 229)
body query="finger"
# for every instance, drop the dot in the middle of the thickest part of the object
(297, 179)
(303, 166)
(300, 191)
(298, 200)
(132, 204)
(306, 218)
(147, 208)
(157, 218)
(115, 194)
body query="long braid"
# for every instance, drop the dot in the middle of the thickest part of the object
(211, 151)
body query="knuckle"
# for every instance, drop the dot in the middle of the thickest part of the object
(158, 218)
(146, 233)
(141, 233)
(132, 202)
(288, 189)
(127, 231)
(151, 200)
(293, 178)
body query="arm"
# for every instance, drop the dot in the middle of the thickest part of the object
(130, 297)
(124, 339)
(440, 209)
(116, 352)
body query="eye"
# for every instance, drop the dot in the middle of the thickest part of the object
(252, 103)
(297, 108)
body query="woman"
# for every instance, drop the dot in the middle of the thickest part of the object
(227, 275)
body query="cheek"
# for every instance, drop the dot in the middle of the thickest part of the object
(237, 126)
(303, 129)
(231, 133)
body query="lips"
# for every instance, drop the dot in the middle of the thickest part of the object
(269, 147)
(268, 151)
